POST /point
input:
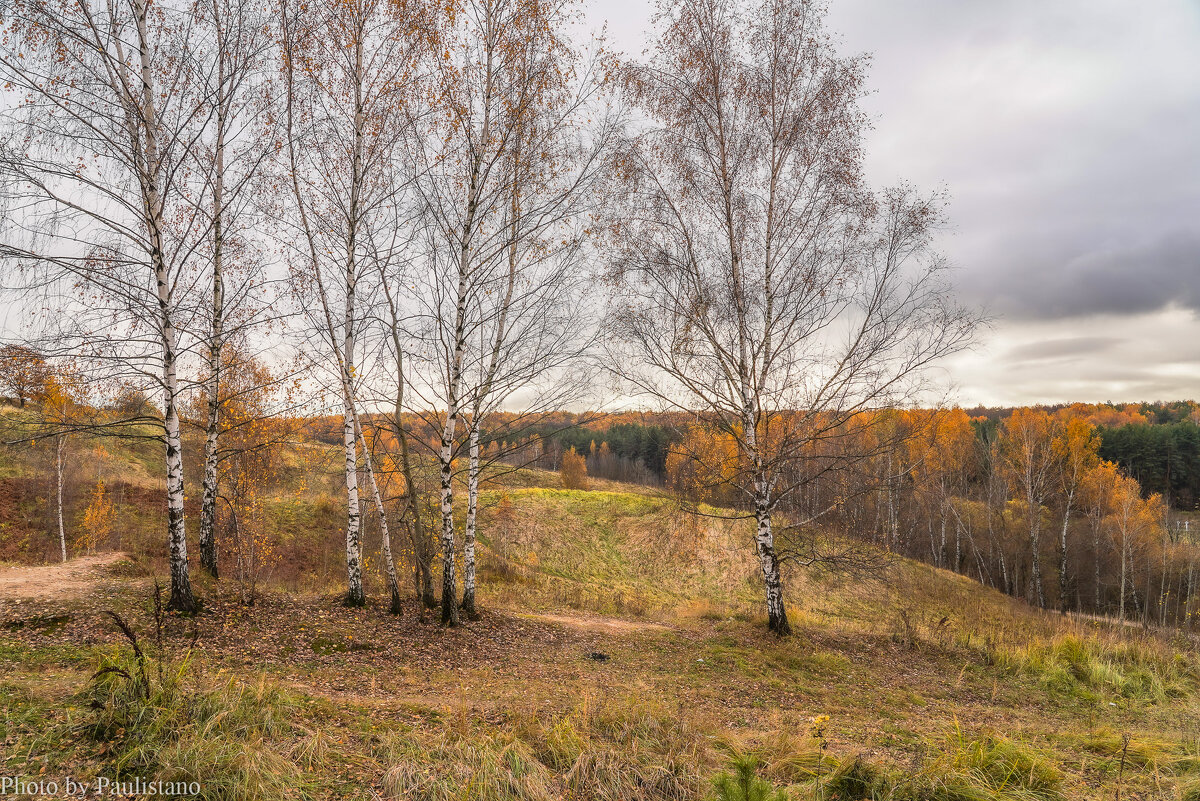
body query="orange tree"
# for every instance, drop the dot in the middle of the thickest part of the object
(1030, 462)
(251, 394)
(23, 372)
(573, 470)
(1076, 447)
(97, 520)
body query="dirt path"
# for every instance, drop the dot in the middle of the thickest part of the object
(610, 625)
(59, 582)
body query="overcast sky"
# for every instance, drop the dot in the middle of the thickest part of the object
(1067, 133)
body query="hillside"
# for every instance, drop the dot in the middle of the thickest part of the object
(620, 656)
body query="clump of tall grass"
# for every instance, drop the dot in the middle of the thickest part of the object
(1074, 664)
(985, 769)
(614, 749)
(151, 717)
(1129, 752)
(482, 767)
(219, 736)
(795, 757)
(606, 751)
(1141, 752)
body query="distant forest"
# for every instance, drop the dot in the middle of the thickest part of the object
(1163, 457)
(1156, 443)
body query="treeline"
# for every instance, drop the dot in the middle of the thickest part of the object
(634, 452)
(1158, 443)
(1107, 415)
(631, 452)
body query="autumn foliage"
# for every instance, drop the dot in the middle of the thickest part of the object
(96, 524)
(573, 471)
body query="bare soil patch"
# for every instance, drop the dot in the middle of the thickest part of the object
(66, 581)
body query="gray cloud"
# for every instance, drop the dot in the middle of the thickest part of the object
(1051, 280)
(1065, 133)
(1060, 348)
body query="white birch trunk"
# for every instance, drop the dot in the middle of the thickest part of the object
(764, 540)
(216, 343)
(446, 457)
(449, 582)
(181, 598)
(468, 602)
(1124, 554)
(450, 616)
(181, 587)
(942, 551)
(354, 594)
(1035, 539)
(764, 536)
(1162, 584)
(1063, 576)
(1187, 604)
(482, 395)
(958, 529)
(58, 470)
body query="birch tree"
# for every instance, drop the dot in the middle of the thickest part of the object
(1135, 521)
(1076, 447)
(58, 399)
(764, 288)
(106, 109)
(1031, 464)
(534, 324)
(507, 121)
(348, 73)
(230, 162)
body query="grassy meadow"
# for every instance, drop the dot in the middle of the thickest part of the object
(621, 654)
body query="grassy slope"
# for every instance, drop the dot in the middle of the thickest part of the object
(899, 665)
(927, 674)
